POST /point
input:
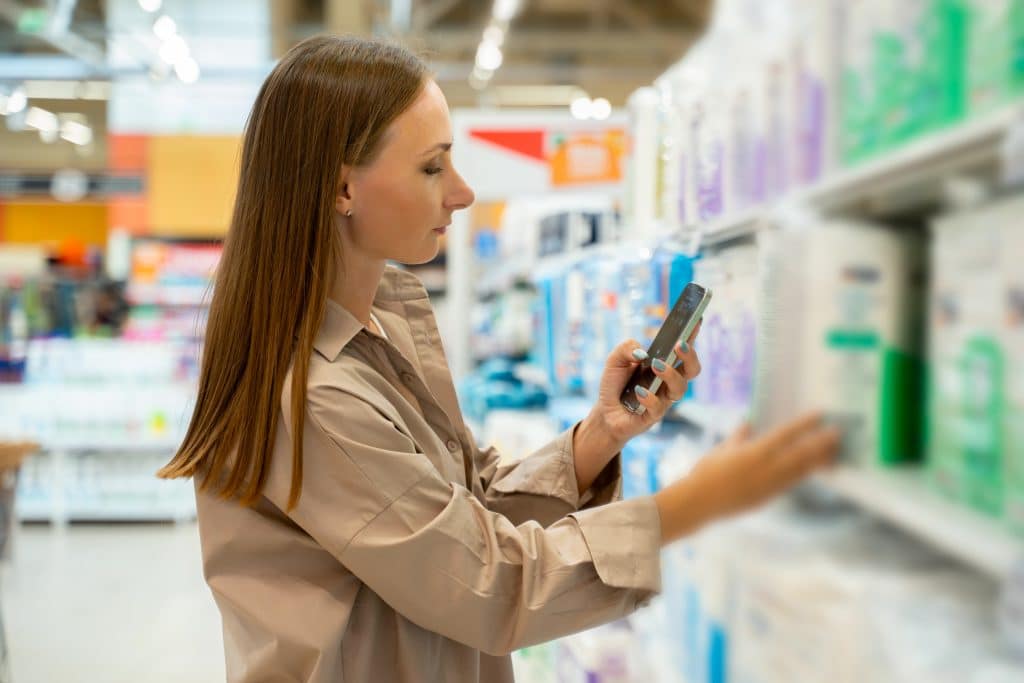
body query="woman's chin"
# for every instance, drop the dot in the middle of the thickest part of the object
(426, 256)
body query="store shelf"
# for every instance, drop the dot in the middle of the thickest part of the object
(732, 227)
(500, 276)
(173, 511)
(532, 374)
(917, 171)
(904, 498)
(898, 181)
(716, 420)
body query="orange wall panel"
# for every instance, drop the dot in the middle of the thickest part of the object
(129, 213)
(127, 152)
(51, 222)
(191, 184)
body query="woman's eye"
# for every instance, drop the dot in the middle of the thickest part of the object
(433, 170)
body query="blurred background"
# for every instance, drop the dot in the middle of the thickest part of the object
(847, 177)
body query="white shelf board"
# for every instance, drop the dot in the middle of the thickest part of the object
(141, 446)
(732, 227)
(125, 511)
(963, 147)
(893, 179)
(714, 419)
(903, 498)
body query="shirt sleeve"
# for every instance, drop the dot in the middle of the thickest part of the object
(446, 562)
(543, 486)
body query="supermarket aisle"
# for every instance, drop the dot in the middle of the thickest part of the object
(116, 604)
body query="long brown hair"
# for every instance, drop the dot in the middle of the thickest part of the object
(327, 103)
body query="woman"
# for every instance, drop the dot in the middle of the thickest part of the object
(351, 530)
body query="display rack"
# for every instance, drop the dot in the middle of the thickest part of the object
(107, 414)
(988, 150)
(904, 498)
(901, 496)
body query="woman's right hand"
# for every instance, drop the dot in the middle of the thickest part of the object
(743, 472)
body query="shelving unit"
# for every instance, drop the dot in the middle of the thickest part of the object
(107, 414)
(989, 150)
(903, 498)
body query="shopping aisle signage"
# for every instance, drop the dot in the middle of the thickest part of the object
(586, 158)
(542, 159)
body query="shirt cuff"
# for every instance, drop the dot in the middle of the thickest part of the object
(606, 487)
(624, 541)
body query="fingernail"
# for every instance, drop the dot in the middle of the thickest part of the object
(684, 347)
(639, 354)
(641, 392)
(659, 365)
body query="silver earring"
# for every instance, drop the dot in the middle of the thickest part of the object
(348, 214)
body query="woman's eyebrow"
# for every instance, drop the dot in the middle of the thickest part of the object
(440, 147)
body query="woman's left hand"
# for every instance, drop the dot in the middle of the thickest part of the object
(618, 422)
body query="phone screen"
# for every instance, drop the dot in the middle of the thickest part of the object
(689, 305)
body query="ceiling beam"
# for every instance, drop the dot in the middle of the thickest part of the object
(549, 41)
(282, 16)
(348, 16)
(600, 15)
(635, 17)
(698, 12)
(552, 73)
(56, 33)
(427, 14)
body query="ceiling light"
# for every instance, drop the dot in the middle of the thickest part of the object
(164, 27)
(488, 56)
(600, 109)
(16, 101)
(494, 35)
(504, 10)
(174, 50)
(187, 70)
(76, 133)
(582, 108)
(41, 120)
(150, 5)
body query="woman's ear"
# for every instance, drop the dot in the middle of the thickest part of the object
(343, 195)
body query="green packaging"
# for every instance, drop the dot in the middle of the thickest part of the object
(995, 54)
(967, 365)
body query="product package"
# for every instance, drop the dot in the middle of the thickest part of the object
(840, 331)
(967, 363)
(728, 335)
(995, 53)
(1013, 342)
(902, 64)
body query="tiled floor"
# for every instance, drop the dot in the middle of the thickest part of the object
(115, 604)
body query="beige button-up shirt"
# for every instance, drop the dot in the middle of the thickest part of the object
(413, 555)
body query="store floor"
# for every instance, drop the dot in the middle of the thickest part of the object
(124, 603)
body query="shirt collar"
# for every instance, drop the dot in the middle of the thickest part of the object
(339, 327)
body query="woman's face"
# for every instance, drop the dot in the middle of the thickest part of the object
(403, 201)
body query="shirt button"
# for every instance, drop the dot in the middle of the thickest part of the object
(408, 377)
(452, 445)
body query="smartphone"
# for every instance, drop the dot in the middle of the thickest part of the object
(678, 326)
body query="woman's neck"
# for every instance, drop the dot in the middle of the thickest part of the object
(355, 285)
